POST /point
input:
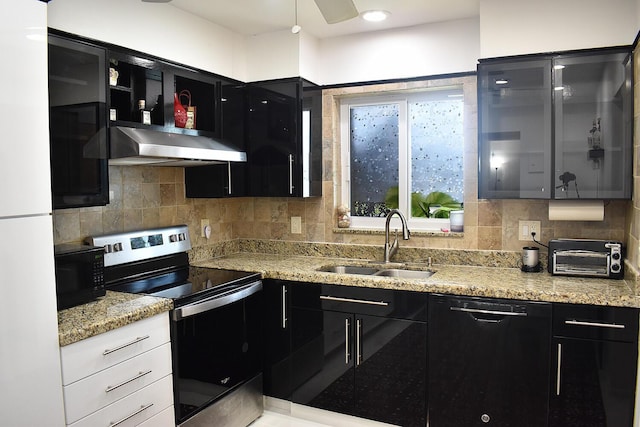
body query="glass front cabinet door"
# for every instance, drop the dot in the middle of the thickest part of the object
(593, 130)
(556, 126)
(515, 129)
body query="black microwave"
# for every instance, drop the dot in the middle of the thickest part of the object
(79, 274)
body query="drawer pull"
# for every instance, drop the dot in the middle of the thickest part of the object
(140, 375)
(492, 312)
(142, 408)
(137, 340)
(596, 324)
(357, 301)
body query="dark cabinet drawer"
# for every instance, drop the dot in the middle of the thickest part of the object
(360, 300)
(595, 322)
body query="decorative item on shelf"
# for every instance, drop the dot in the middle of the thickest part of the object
(179, 112)
(142, 115)
(113, 76)
(344, 219)
(190, 109)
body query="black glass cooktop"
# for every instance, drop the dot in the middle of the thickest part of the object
(186, 283)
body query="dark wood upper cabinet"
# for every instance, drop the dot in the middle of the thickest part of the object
(77, 123)
(284, 138)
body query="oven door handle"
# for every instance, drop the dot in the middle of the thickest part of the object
(216, 301)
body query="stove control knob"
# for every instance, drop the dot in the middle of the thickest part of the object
(173, 237)
(117, 247)
(181, 237)
(108, 249)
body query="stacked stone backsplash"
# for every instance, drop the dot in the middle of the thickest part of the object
(145, 197)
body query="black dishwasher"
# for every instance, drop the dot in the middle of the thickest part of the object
(489, 362)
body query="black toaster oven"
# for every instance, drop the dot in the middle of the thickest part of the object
(589, 258)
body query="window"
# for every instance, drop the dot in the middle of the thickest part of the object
(403, 150)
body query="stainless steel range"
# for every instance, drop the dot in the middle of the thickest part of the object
(215, 324)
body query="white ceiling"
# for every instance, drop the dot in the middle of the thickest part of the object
(254, 17)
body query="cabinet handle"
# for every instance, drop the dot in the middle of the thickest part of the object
(142, 408)
(140, 375)
(347, 354)
(358, 342)
(357, 301)
(496, 312)
(284, 307)
(229, 175)
(595, 324)
(137, 340)
(559, 371)
(290, 173)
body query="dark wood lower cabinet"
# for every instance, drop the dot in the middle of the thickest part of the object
(277, 343)
(360, 359)
(366, 352)
(370, 367)
(594, 362)
(594, 384)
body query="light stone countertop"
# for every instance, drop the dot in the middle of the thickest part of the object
(112, 311)
(510, 283)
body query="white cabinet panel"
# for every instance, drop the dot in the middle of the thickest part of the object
(24, 110)
(88, 356)
(108, 386)
(152, 406)
(29, 354)
(165, 418)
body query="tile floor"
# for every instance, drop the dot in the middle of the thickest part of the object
(273, 419)
(280, 413)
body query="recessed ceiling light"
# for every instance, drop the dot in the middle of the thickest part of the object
(502, 81)
(375, 15)
(558, 67)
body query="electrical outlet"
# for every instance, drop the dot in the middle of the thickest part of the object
(203, 224)
(525, 228)
(296, 225)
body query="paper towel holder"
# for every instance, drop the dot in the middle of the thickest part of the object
(576, 210)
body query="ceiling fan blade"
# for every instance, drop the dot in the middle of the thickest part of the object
(335, 11)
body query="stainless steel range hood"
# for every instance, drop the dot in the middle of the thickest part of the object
(133, 146)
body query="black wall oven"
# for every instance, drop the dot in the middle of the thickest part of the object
(216, 325)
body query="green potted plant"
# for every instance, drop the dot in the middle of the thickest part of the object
(434, 205)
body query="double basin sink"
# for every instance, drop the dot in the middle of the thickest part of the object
(373, 271)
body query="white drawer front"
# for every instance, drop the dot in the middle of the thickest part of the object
(97, 391)
(99, 352)
(166, 418)
(151, 403)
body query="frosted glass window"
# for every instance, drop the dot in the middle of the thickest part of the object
(402, 148)
(437, 144)
(374, 157)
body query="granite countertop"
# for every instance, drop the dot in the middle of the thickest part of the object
(450, 279)
(112, 311)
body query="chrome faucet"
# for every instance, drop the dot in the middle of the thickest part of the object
(390, 250)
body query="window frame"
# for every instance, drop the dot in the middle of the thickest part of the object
(402, 99)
